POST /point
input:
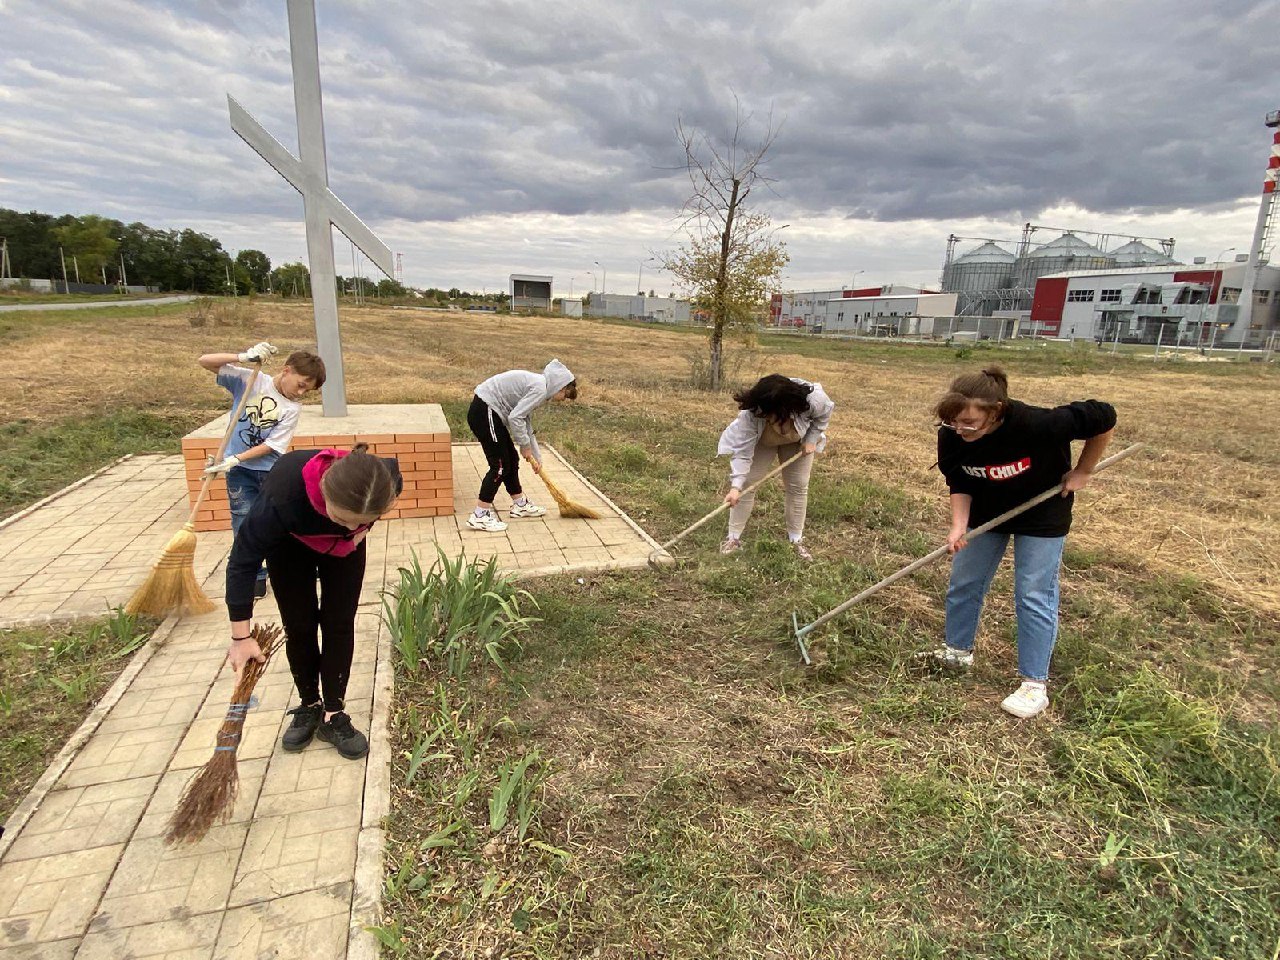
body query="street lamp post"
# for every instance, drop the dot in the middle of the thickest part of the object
(604, 278)
(640, 274)
(853, 284)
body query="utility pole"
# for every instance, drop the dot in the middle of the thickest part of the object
(61, 256)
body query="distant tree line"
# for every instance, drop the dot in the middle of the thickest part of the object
(100, 248)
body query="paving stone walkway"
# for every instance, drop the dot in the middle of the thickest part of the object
(297, 872)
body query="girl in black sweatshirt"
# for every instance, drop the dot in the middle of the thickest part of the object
(997, 453)
(309, 523)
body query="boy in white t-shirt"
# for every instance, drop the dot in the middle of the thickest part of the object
(266, 423)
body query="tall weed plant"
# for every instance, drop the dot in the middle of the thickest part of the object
(454, 610)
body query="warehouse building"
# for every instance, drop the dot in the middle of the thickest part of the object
(1154, 303)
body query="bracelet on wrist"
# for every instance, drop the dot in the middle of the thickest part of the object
(247, 636)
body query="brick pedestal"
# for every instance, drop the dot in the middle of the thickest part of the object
(416, 435)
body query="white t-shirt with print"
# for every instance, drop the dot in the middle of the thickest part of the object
(268, 416)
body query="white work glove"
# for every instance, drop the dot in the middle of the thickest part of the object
(258, 353)
(216, 468)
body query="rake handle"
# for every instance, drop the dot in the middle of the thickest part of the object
(226, 439)
(724, 506)
(942, 551)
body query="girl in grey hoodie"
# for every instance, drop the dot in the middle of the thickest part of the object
(500, 419)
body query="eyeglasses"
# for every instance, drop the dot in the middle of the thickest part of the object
(961, 428)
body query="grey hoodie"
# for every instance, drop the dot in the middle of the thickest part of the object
(514, 395)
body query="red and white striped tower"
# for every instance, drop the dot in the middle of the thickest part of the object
(1262, 232)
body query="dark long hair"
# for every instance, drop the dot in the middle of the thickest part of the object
(359, 483)
(775, 397)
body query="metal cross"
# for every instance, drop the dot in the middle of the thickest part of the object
(309, 175)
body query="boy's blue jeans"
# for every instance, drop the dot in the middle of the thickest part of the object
(1035, 577)
(243, 485)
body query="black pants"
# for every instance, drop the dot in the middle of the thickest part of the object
(504, 461)
(293, 568)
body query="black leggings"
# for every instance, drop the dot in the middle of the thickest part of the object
(293, 567)
(504, 461)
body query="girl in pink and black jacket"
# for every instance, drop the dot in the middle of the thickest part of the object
(309, 523)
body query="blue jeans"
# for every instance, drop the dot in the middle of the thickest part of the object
(1035, 575)
(243, 485)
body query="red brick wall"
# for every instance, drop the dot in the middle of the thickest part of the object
(426, 464)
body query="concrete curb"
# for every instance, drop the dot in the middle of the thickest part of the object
(27, 511)
(626, 518)
(36, 795)
(366, 892)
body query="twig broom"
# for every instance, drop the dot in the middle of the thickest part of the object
(568, 508)
(211, 794)
(171, 584)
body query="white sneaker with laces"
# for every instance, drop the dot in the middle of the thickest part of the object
(487, 521)
(949, 657)
(527, 509)
(1027, 701)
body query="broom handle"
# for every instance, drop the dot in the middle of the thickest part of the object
(226, 439)
(724, 506)
(942, 551)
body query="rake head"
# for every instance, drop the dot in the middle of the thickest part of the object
(799, 634)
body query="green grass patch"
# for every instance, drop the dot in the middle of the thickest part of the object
(50, 678)
(37, 459)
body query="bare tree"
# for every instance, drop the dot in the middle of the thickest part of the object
(732, 260)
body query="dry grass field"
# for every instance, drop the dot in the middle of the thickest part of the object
(685, 787)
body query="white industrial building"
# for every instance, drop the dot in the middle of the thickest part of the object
(529, 291)
(890, 310)
(1197, 304)
(655, 309)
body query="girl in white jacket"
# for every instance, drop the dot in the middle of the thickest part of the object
(781, 416)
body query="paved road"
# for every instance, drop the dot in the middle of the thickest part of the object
(10, 308)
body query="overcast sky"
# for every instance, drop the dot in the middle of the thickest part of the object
(481, 138)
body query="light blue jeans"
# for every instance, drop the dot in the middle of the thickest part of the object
(1035, 583)
(243, 485)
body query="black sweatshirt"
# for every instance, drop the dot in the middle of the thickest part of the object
(281, 510)
(1026, 455)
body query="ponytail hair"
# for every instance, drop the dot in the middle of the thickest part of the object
(359, 484)
(988, 390)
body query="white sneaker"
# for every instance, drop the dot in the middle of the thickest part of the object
(527, 509)
(1028, 700)
(949, 657)
(487, 521)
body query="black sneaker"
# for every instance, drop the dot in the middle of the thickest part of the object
(351, 743)
(303, 728)
(259, 588)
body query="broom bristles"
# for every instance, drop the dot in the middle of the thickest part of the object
(568, 508)
(171, 584)
(211, 795)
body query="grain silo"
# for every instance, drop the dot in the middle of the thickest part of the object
(976, 276)
(988, 267)
(1135, 253)
(1065, 254)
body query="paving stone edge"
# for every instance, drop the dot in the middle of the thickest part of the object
(36, 795)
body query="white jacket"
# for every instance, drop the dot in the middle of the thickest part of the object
(738, 442)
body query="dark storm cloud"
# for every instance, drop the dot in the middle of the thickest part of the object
(444, 111)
